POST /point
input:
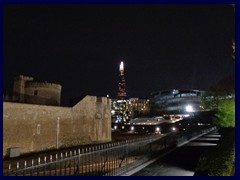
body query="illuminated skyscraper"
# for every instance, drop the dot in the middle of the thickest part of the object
(120, 104)
(121, 85)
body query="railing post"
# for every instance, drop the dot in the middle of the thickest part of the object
(61, 164)
(90, 161)
(101, 160)
(50, 166)
(45, 162)
(70, 163)
(32, 167)
(74, 161)
(17, 167)
(96, 167)
(9, 169)
(98, 159)
(107, 159)
(38, 168)
(25, 166)
(56, 164)
(65, 164)
(126, 154)
(78, 163)
(87, 160)
(115, 159)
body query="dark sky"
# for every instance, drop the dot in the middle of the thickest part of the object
(81, 46)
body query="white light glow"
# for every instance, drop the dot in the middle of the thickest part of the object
(121, 66)
(157, 129)
(132, 128)
(115, 127)
(189, 108)
(174, 129)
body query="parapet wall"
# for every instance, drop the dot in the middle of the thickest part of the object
(35, 128)
(25, 78)
(44, 85)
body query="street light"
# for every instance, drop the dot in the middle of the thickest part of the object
(157, 130)
(189, 108)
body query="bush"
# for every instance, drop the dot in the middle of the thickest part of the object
(225, 115)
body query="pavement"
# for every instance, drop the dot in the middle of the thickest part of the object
(180, 161)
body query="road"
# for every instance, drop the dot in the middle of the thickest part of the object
(183, 160)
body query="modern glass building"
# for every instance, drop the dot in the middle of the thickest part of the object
(176, 101)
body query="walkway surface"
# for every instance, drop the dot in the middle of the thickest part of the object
(183, 160)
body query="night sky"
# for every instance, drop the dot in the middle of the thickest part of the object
(81, 46)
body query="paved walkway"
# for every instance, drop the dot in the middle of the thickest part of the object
(182, 161)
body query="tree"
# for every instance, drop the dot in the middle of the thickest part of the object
(221, 99)
(225, 114)
(219, 92)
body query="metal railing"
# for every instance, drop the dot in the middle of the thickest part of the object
(111, 159)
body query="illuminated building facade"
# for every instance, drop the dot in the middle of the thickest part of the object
(174, 101)
(118, 112)
(137, 107)
(124, 110)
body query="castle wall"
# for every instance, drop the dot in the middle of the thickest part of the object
(25, 90)
(42, 93)
(35, 128)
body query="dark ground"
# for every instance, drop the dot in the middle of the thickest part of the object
(181, 162)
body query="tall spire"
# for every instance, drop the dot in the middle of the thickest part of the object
(121, 85)
(121, 67)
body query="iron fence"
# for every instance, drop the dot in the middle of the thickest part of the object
(111, 159)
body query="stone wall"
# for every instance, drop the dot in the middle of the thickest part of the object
(42, 93)
(25, 90)
(35, 128)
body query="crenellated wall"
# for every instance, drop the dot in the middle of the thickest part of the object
(35, 128)
(26, 90)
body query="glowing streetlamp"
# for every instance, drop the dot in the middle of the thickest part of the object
(189, 108)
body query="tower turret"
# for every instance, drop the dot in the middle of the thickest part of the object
(19, 87)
